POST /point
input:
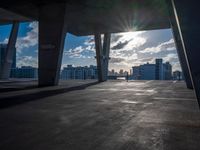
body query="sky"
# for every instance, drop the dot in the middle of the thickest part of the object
(127, 49)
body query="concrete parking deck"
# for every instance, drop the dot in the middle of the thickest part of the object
(84, 115)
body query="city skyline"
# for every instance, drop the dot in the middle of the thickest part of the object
(127, 49)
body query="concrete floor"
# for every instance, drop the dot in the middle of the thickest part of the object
(84, 115)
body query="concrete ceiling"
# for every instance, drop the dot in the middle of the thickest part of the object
(7, 17)
(86, 17)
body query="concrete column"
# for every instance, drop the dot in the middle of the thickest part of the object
(182, 58)
(188, 20)
(99, 54)
(179, 47)
(102, 55)
(51, 42)
(106, 53)
(10, 50)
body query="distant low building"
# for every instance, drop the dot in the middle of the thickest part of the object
(24, 72)
(121, 72)
(147, 72)
(177, 75)
(86, 72)
(136, 73)
(112, 73)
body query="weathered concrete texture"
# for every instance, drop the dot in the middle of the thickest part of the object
(189, 33)
(86, 17)
(113, 115)
(51, 43)
(102, 55)
(7, 17)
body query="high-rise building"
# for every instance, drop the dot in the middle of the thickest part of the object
(157, 71)
(167, 71)
(2, 56)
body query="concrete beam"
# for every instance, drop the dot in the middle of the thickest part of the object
(179, 47)
(188, 21)
(102, 55)
(51, 42)
(10, 50)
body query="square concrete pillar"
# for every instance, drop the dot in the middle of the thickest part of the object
(106, 53)
(52, 32)
(10, 52)
(99, 56)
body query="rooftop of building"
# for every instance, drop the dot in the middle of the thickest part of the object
(86, 115)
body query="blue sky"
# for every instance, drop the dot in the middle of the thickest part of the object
(127, 49)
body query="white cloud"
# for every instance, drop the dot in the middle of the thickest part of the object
(30, 39)
(165, 46)
(123, 48)
(79, 52)
(5, 41)
(172, 57)
(74, 53)
(131, 40)
(176, 66)
(89, 41)
(86, 50)
(90, 48)
(27, 61)
(127, 41)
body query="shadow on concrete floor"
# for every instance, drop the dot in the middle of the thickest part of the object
(10, 85)
(11, 89)
(19, 99)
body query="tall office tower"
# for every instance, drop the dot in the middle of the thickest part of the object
(159, 70)
(167, 71)
(2, 56)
